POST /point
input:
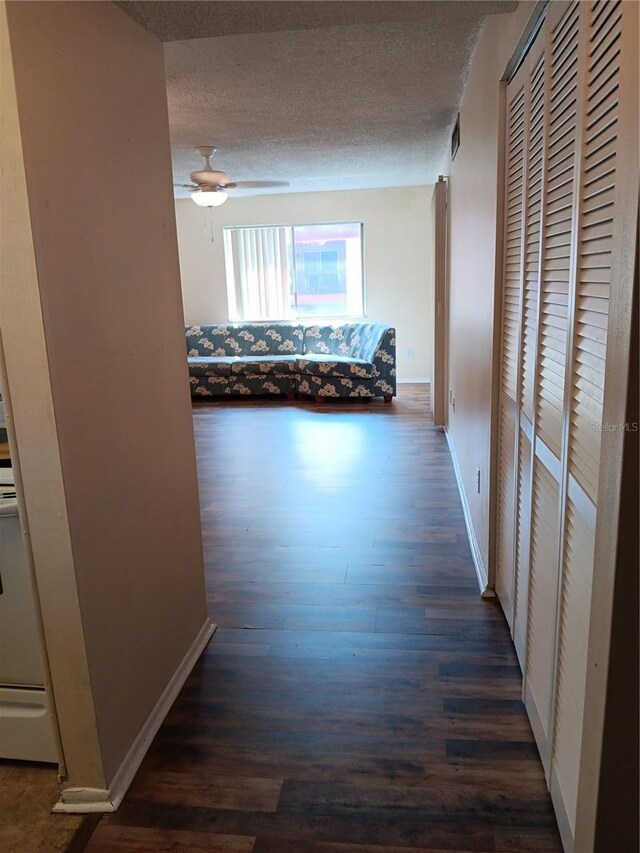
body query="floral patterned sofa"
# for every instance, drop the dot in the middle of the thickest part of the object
(342, 360)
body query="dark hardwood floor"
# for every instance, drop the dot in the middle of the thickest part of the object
(358, 695)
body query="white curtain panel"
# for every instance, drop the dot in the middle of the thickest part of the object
(259, 268)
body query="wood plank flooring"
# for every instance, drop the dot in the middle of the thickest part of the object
(358, 696)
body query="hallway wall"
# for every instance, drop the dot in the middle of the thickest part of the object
(91, 318)
(473, 208)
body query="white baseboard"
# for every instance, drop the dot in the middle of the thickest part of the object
(85, 800)
(421, 380)
(476, 553)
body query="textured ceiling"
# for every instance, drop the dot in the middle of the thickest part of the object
(325, 95)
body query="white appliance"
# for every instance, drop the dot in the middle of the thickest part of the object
(26, 730)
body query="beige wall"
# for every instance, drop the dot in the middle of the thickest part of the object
(473, 211)
(92, 328)
(398, 249)
(25, 382)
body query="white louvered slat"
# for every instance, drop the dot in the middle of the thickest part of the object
(596, 228)
(506, 510)
(521, 591)
(558, 226)
(510, 349)
(532, 237)
(513, 244)
(543, 574)
(575, 601)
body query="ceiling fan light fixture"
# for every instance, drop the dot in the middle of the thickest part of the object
(209, 197)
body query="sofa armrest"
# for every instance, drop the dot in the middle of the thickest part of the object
(369, 339)
(384, 361)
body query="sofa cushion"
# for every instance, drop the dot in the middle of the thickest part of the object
(258, 365)
(326, 340)
(208, 341)
(203, 366)
(272, 383)
(244, 339)
(268, 338)
(334, 365)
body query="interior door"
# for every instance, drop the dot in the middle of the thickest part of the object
(439, 366)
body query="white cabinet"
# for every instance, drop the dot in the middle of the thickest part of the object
(25, 726)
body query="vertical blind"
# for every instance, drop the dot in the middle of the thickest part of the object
(259, 269)
(560, 217)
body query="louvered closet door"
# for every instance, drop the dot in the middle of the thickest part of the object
(558, 225)
(562, 189)
(534, 161)
(560, 82)
(510, 344)
(525, 157)
(542, 598)
(602, 26)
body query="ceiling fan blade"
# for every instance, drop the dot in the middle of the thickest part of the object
(187, 186)
(246, 185)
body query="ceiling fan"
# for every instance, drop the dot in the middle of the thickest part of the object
(209, 186)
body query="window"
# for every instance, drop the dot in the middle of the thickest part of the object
(294, 271)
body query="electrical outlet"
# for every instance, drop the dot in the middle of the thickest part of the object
(453, 403)
(450, 396)
(478, 480)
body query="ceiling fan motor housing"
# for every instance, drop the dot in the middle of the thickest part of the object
(209, 177)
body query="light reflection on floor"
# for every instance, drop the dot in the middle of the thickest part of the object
(330, 452)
